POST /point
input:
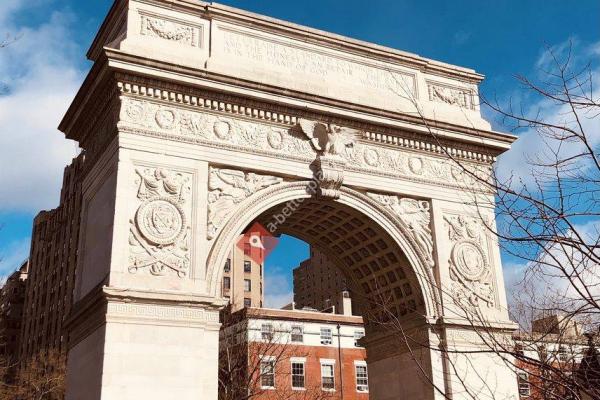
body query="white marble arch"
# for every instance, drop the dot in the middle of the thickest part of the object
(421, 372)
(180, 87)
(252, 207)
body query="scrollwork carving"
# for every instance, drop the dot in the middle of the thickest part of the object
(159, 232)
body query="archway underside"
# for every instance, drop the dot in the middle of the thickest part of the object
(375, 268)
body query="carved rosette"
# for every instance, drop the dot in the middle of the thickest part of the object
(229, 187)
(154, 118)
(213, 129)
(159, 231)
(470, 270)
(416, 217)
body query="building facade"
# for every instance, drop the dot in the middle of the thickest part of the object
(12, 298)
(548, 359)
(318, 283)
(243, 282)
(297, 354)
(52, 263)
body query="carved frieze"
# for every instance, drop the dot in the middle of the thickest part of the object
(453, 96)
(416, 216)
(171, 30)
(214, 129)
(229, 187)
(292, 142)
(470, 270)
(160, 230)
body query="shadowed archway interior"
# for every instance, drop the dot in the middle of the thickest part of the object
(375, 269)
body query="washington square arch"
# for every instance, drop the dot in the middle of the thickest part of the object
(198, 120)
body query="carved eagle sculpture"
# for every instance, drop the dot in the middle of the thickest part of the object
(329, 139)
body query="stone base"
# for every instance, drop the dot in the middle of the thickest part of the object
(145, 349)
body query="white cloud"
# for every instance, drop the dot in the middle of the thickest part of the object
(42, 77)
(531, 145)
(546, 283)
(278, 288)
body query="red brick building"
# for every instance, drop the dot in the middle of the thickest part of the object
(548, 359)
(294, 354)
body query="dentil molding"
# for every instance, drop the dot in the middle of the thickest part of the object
(276, 135)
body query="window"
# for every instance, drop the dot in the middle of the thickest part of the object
(247, 249)
(247, 266)
(563, 354)
(247, 285)
(227, 282)
(247, 302)
(266, 332)
(267, 374)
(297, 334)
(297, 375)
(357, 336)
(362, 379)
(327, 379)
(519, 350)
(524, 386)
(325, 336)
(228, 265)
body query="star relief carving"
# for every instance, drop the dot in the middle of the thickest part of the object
(159, 231)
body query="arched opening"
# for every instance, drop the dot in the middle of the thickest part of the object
(390, 284)
(375, 269)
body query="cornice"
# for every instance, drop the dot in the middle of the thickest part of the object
(220, 12)
(184, 76)
(239, 107)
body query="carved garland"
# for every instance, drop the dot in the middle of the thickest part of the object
(470, 270)
(345, 151)
(159, 232)
(221, 103)
(171, 30)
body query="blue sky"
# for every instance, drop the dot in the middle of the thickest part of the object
(44, 68)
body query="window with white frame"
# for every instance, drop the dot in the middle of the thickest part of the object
(267, 373)
(298, 374)
(327, 376)
(247, 285)
(563, 354)
(266, 332)
(357, 336)
(362, 378)
(297, 334)
(524, 385)
(326, 336)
